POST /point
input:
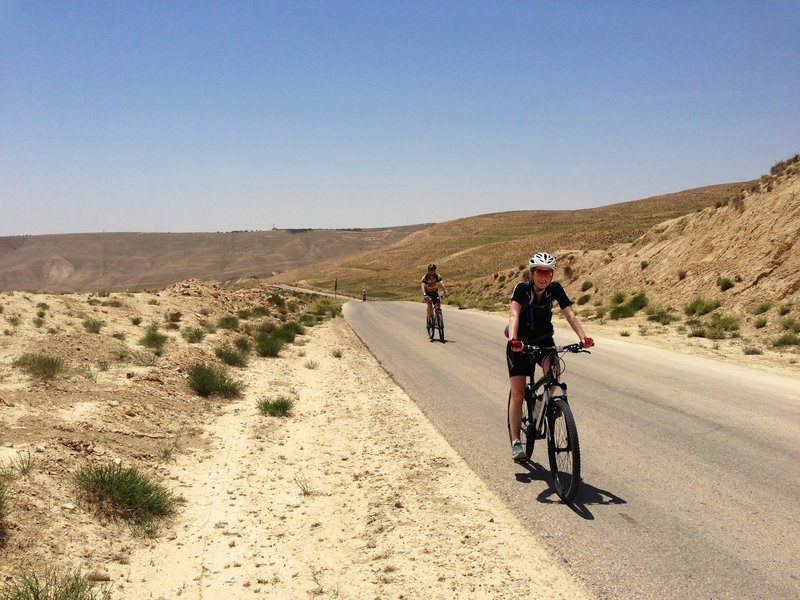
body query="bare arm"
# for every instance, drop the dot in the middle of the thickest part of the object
(573, 321)
(514, 309)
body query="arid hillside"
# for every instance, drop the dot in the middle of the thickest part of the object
(134, 261)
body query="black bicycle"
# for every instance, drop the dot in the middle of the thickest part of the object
(437, 323)
(546, 414)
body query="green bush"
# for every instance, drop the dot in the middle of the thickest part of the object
(268, 345)
(784, 310)
(761, 308)
(750, 350)
(193, 335)
(280, 407)
(229, 356)
(787, 339)
(29, 585)
(123, 493)
(724, 322)
(618, 298)
(153, 339)
(93, 325)
(136, 320)
(583, 299)
(243, 344)
(760, 322)
(212, 380)
(586, 285)
(630, 308)
(5, 503)
(228, 322)
(41, 367)
(792, 325)
(700, 306)
(724, 283)
(660, 315)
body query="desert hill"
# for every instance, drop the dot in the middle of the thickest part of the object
(134, 261)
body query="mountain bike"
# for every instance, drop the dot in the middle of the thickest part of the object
(546, 415)
(437, 323)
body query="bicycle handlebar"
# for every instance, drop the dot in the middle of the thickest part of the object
(576, 347)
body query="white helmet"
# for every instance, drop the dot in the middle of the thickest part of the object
(542, 260)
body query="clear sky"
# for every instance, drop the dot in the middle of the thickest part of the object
(215, 116)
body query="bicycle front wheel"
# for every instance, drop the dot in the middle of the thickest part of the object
(563, 450)
(440, 325)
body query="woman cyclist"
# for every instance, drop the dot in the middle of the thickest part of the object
(530, 317)
(430, 289)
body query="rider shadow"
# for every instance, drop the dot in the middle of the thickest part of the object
(588, 495)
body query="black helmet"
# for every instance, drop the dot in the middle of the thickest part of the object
(432, 266)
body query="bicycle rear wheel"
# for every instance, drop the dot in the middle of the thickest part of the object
(563, 450)
(440, 324)
(527, 429)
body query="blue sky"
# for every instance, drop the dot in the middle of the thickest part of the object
(219, 116)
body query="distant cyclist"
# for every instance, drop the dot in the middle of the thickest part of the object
(530, 315)
(364, 294)
(430, 289)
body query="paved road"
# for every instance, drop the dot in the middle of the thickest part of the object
(691, 467)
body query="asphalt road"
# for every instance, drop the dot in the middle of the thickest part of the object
(691, 468)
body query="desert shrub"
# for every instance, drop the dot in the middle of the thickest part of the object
(787, 339)
(724, 322)
(643, 264)
(243, 344)
(277, 300)
(761, 308)
(660, 315)
(586, 285)
(630, 308)
(14, 320)
(618, 298)
(38, 322)
(311, 364)
(701, 306)
(52, 585)
(229, 356)
(681, 275)
(327, 306)
(136, 320)
(258, 311)
(724, 283)
(41, 305)
(40, 313)
(288, 331)
(583, 299)
(280, 407)
(792, 325)
(760, 322)
(784, 310)
(173, 316)
(308, 320)
(193, 335)
(228, 322)
(5, 503)
(153, 339)
(268, 345)
(93, 325)
(601, 312)
(212, 380)
(123, 493)
(336, 353)
(153, 302)
(40, 366)
(244, 313)
(750, 350)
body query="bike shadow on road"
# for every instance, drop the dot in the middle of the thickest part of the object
(588, 495)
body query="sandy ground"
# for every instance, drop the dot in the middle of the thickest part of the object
(354, 495)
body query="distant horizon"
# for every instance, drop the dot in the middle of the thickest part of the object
(198, 117)
(381, 227)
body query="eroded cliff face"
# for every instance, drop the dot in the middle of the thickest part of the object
(753, 241)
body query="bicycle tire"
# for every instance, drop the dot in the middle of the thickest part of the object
(563, 450)
(527, 433)
(430, 328)
(440, 324)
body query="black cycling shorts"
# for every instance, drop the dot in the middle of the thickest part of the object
(521, 363)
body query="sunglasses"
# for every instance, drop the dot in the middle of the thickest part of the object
(547, 272)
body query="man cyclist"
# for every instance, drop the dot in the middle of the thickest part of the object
(530, 320)
(430, 289)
